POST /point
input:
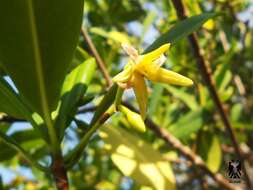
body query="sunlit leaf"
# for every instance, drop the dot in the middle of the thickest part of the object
(73, 89)
(138, 159)
(210, 150)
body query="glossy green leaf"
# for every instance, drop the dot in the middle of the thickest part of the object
(11, 103)
(73, 89)
(187, 124)
(38, 55)
(138, 159)
(106, 102)
(180, 30)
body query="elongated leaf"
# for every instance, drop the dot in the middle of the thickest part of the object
(210, 150)
(138, 159)
(16, 145)
(155, 98)
(29, 139)
(46, 34)
(10, 102)
(105, 103)
(73, 89)
(187, 124)
(180, 30)
(80, 56)
(188, 99)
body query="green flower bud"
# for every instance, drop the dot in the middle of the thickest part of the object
(134, 119)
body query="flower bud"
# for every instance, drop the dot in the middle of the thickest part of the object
(133, 118)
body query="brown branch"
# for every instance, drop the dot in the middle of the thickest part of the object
(60, 173)
(99, 60)
(206, 72)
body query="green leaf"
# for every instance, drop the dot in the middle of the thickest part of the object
(210, 150)
(155, 98)
(188, 99)
(11, 103)
(180, 30)
(38, 55)
(187, 124)
(14, 144)
(106, 102)
(28, 139)
(114, 35)
(80, 56)
(73, 89)
(138, 159)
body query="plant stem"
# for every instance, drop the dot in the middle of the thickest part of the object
(206, 72)
(75, 155)
(60, 173)
(100, 62)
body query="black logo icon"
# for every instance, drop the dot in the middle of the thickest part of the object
(234, 171)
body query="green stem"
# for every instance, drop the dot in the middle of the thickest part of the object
(73, 157)
(118, 98)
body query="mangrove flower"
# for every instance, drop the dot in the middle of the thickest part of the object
(147, 66)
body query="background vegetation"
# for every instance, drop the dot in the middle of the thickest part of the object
(192, 133)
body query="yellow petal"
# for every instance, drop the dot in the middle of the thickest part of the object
(141, 92)
(152, 56)
(166, 76)
(133, 118)
(124, 75)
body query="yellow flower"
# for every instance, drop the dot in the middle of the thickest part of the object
(147, 66)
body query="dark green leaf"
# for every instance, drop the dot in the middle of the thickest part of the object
(180, 30)
(38, 55)
(10, 102)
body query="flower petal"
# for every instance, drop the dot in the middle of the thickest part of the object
(160, 61)
(124, 75)
(141, 92)
(166, 76)
(152, 56)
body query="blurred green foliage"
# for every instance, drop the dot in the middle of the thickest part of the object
(187, 113)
